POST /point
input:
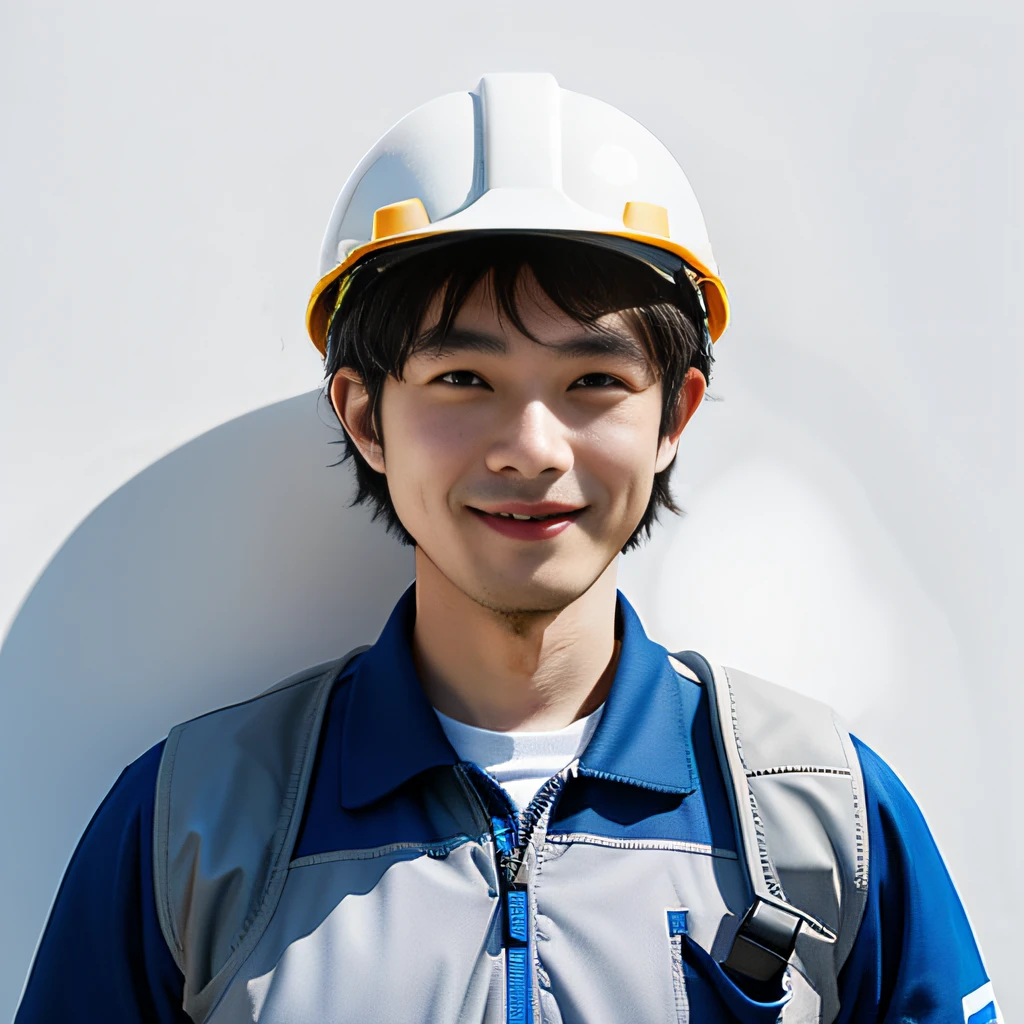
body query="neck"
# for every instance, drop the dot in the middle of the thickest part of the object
(538, 672)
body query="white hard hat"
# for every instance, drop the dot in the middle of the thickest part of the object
(517, 154)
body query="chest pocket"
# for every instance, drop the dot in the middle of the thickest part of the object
(704, 992)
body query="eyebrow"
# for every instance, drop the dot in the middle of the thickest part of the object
(604, 343)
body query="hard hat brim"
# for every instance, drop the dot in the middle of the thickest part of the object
(716, 301)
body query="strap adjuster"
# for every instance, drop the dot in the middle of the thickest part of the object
(764, 941)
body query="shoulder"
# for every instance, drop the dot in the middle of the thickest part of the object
(774, 727)
(257, 755)
(101, 945)
(269, 729)
(904, 848)
(112, 857)
(888, 795)
(916, 956)
(128, 803)
(903, 844)
(291, 687)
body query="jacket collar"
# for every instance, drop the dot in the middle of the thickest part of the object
(391, 734)
(643, 736)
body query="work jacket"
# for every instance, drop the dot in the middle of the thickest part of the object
(412, 891)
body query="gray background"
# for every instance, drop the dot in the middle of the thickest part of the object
(854, 501)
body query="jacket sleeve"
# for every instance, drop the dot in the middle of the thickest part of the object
(915, 957)
(102, 956)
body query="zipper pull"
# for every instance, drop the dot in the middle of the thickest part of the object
(506, 835)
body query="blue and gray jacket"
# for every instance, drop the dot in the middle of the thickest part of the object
(723, 850)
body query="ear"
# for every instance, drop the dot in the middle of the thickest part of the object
(691, 394)
(351, 403)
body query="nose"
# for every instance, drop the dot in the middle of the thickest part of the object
(535, 441)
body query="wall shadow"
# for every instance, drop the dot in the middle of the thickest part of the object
(224, 566)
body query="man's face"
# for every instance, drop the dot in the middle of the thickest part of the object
(495, 426)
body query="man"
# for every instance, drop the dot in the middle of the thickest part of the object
(514, 806)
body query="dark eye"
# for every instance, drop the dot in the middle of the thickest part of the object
(597, 380)
(461, 378)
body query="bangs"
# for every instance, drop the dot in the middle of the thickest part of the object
(586, 282)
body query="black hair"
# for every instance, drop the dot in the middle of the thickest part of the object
(378, 324)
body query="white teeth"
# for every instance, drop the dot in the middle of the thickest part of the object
(515, 515)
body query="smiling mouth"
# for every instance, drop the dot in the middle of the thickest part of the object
(536, 519)
(566, 514)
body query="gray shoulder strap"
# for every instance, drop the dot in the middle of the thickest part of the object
(798, 799)
(216, 879)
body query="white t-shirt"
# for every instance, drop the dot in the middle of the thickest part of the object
(521, 761)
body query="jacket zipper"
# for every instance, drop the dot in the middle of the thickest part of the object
(512, 837)
(515, 902)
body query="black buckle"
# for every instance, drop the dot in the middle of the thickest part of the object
(764, 942)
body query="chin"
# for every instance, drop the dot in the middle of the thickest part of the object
(522, 585)
(548, 593)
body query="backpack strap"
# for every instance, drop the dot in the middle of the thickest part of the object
(797, 794)
(217, 880)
